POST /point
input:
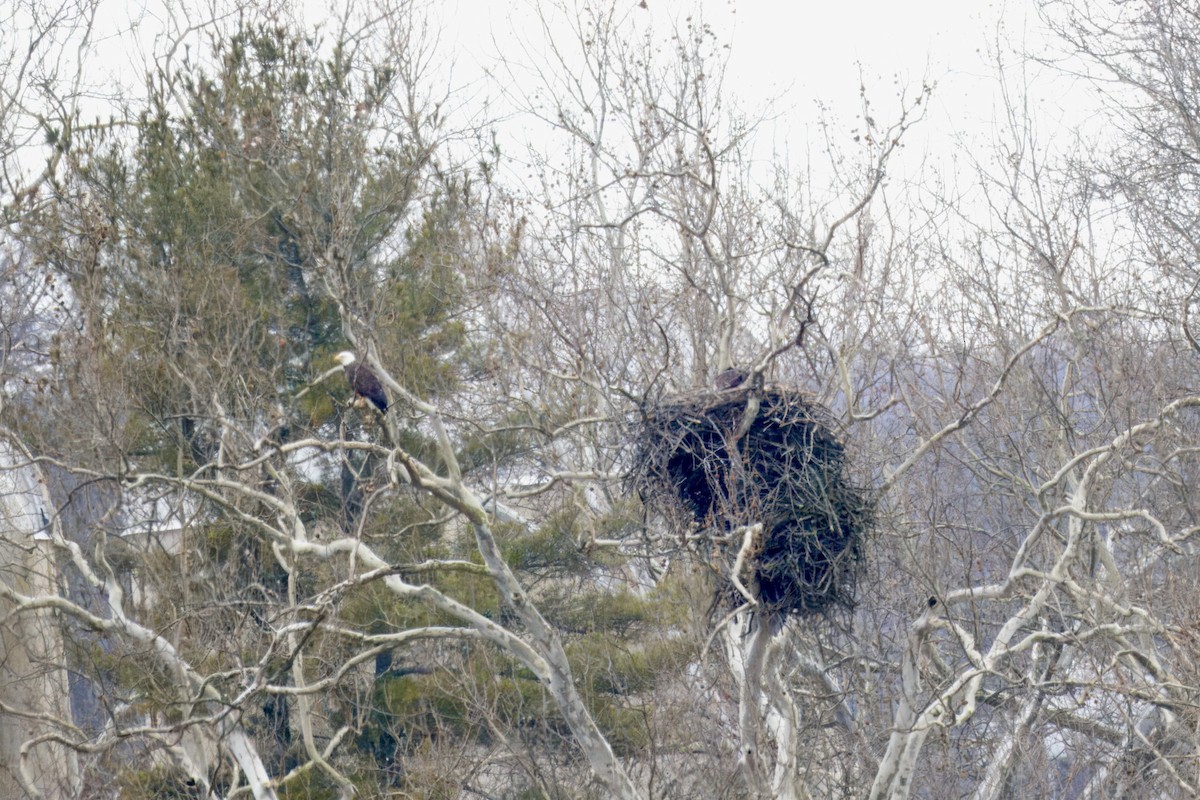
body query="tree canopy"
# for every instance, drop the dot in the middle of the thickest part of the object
(935, 540)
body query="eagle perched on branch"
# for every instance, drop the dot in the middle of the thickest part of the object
(363, 381)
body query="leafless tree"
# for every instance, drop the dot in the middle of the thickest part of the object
(260, 588)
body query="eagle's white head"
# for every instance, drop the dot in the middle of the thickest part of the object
(345, 358)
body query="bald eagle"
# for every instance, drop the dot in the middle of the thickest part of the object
(731, 378)
(363, 380)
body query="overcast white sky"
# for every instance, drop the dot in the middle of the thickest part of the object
(805, 48)
(807, 58)
(785, 58)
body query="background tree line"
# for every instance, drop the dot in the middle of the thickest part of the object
(221, 578)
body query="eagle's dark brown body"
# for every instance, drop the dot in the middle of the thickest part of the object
(363, 381)
(730, 378)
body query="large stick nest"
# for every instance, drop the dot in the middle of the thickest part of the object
(716, 463)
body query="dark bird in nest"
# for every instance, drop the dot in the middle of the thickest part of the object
(363, 381)
(731, 378)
